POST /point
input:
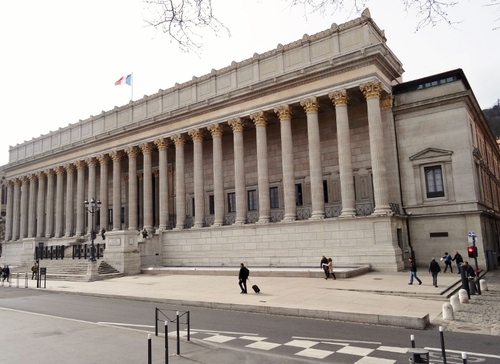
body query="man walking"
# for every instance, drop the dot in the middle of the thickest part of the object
(243, 276)
(434, 269)
(413, 272)
(447, 262)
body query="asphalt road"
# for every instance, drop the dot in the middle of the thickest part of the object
(286, 337)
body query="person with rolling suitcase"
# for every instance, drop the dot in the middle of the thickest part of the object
(242, 278)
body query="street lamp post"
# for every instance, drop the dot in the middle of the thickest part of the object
(92, 207)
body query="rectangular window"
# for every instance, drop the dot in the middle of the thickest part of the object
(252, 200)
(298, 194)
(110, 216)
(325, 190)
(274, 198)
(434, 181)
(231, 202)
(193, 208)
(211, 205)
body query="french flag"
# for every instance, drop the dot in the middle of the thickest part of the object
(125, 80)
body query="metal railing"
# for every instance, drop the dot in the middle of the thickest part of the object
(49, 252)
(82, 251)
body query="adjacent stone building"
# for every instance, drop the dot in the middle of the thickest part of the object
(315, 147)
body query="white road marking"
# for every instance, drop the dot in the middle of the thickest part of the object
(314, 353)
(370, 360)
(219, 339)
(355, 350)
(393, 349)
(301, 343)
(262, 345)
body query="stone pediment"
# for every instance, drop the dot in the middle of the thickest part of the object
(434, 153)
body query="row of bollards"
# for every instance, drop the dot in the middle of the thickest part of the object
(456, 301)
(422, 355)
(150, 346)
(177, 320)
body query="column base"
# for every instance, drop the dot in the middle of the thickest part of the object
(239, 223)
(348, 213)
(289, 218)
(317, 216)
(198, 225)
(382, 211)
(180, 227)
(217, 224)
(263, 221)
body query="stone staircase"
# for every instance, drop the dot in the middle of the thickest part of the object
(69, 270)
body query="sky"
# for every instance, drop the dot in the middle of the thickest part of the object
(60, 58)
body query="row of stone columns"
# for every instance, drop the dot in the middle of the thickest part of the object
(23, 212)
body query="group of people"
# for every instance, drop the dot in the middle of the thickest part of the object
(434, 268)
(327, 266)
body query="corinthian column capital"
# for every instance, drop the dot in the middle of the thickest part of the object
(339, 98)
(386, 101)
(215, 130)
(196, 135)
(310, 104)
(147, 148)
(371, 89)
(284, 112)
(237, 124)
(131, 151)
(178, 139)
(161, 144)
(116, 155)
(259, 118)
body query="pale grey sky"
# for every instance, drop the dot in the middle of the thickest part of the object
(60, 59)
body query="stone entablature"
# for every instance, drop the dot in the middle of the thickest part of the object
(340, 45)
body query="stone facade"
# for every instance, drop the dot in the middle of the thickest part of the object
(315, 147)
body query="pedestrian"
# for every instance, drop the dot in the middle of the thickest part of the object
(434, 269)
(242, 278)
(6, 273)
(329, 269)
(469, 270)
(413, 272)
(103, 233)
(34, 271)
(457, 258)
(447, 262)
(144, 233)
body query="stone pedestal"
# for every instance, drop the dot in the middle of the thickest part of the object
(92, 274)
(122, 251)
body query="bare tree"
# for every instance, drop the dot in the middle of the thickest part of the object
(183, 20)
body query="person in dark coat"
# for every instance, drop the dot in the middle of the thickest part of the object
(6, 273)
(457, 258)
(434, 269)
(242, 277)
(324, 265)
(413, 272)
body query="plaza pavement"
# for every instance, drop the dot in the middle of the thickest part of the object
(373, 298)
(382, 298)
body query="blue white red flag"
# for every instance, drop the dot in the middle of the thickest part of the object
(125, 80)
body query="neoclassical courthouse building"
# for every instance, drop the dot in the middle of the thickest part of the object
(314, 147)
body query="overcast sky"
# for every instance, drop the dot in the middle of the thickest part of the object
(60, 58)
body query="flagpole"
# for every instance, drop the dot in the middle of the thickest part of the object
(132, 87)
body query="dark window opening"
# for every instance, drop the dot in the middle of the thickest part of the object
(274, 198)
(434, 181)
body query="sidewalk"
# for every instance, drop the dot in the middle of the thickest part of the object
(375, 298)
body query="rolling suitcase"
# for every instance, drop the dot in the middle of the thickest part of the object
(256, 288)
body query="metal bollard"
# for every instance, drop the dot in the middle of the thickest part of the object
(443, 351)
(178, 335)
(464, 358)
(412, 339)
(166, 342)
(150, 358)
